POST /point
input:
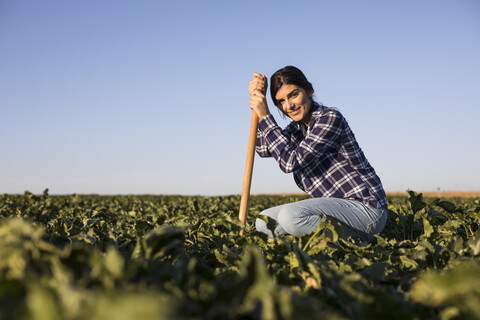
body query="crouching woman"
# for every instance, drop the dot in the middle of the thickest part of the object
(320, 150)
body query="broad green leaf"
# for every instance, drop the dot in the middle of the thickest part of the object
(456, 287)
(41, 304)
(448, 206)
(427, 227)
(416, 201)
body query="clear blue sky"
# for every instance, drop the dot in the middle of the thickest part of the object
(119, 97)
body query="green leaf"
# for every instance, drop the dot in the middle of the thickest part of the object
(456, 287)
(408, 263)
(416, 201)
(448, 206)
(427, 227)
(160, 242)
(41, 304)
(377, 271)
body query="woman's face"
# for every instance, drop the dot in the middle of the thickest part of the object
(295, 102)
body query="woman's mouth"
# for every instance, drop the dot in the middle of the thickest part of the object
(294, 112)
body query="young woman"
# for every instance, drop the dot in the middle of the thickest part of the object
(321, 151)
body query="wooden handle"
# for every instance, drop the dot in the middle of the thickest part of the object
(247, 179)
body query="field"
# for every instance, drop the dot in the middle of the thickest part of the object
(442, 194)
(179, 257)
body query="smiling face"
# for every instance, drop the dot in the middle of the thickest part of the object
(295, 102)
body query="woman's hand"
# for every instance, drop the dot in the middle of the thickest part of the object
(258, 88)
(259, 82)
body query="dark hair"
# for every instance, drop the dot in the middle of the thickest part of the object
(288, 75)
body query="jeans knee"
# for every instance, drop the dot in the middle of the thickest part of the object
(296, 222)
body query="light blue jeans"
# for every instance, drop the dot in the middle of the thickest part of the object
(300, 218)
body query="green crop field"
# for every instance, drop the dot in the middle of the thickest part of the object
(181, 257)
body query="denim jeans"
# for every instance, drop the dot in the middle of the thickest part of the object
(300, 218)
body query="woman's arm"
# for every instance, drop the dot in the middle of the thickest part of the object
(324, 137)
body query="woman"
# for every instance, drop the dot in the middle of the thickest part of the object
(321, 151)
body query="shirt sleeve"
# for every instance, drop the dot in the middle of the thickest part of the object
(322, 138)
(261, 145)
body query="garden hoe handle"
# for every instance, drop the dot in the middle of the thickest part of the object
(247, 179)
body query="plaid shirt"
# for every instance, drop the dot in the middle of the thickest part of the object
(326, 160)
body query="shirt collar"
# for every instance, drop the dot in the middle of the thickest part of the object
(317, 110)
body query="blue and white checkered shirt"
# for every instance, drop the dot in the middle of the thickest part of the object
(326, 159)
